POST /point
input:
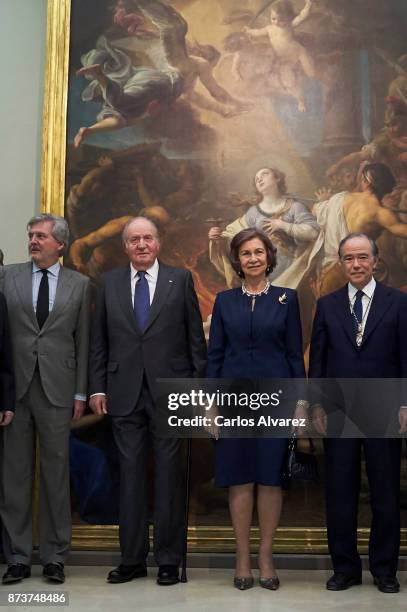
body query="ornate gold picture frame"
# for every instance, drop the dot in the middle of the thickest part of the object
(206, 539)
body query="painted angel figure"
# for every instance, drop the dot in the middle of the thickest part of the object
(130, 92)
(288, 52)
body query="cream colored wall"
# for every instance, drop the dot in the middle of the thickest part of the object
(22, 53)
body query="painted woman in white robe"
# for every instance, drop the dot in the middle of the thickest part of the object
(289, 223)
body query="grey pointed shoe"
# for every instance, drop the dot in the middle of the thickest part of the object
(243, 582)
(272, 583)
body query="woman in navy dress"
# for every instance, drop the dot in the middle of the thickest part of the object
(255, 333)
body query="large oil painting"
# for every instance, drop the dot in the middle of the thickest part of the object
(177, 109)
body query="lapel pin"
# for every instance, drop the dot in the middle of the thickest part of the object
(170, 281)
(283, 298)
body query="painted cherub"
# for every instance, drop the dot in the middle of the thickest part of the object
(289, 53)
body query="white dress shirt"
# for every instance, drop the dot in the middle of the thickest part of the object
(53, 275)
(368, 292)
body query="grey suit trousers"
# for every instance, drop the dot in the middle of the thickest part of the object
(35, 414)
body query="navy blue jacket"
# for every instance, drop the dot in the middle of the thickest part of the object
(264, 344)
(383, 352)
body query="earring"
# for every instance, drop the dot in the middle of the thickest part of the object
(268, 270)
(240, 273)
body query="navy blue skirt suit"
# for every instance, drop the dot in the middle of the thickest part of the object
(258, 344)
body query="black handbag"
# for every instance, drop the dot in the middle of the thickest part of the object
(299, 465)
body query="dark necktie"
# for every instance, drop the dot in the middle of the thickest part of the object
(43, 299)
(141, 300)
(358, 309)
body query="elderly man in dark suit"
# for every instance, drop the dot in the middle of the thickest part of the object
(7, 392)
(360, 332)
(147, 325)
(49, 323)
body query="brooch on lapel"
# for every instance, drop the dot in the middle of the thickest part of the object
(283, 298)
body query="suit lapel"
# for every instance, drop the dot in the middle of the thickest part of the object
(23, 282)
(62, 294)
(123, 285)
(344, 314)
(380, 304)
(165, 282)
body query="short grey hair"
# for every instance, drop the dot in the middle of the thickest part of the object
(60, 228)
(139, 218)
(375, 249)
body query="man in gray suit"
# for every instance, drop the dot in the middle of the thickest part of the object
(49, 322)
(147, 325)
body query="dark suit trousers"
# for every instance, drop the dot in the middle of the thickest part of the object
(36, 415)
(343, 469)
(133, 434)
